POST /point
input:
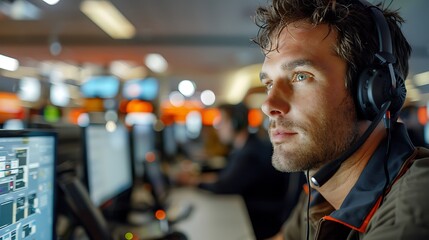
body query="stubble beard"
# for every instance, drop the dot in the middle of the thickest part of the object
(326, 139)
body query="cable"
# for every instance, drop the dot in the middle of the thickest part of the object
(387, 124)
(308, 205)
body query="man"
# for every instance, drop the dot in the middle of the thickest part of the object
(332, 72)
(250, 174)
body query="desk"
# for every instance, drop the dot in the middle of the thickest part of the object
(214, 216)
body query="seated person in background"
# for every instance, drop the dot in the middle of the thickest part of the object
(409, 115)
(249, 173)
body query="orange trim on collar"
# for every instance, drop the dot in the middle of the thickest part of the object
(407, 164)
(306, 189)
(365, 223)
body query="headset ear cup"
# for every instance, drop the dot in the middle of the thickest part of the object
(373, 90)
(399, 97)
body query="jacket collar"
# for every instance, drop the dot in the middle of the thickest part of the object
(364, 197)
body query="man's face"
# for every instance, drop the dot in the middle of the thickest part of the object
(312, 115)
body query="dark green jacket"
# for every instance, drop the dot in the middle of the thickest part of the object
(403, 214)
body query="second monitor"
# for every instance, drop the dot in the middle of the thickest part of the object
(107, 162)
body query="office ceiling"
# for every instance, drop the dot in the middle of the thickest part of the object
(202, 40)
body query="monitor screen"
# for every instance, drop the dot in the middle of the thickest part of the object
(107, 165)
(100, 87)
(27, 185)
(144, 89)
(169, 144)
(143, 142)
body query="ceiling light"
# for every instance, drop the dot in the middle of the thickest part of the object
(8, 63)
(60, 94)
(29, 89)
(176, 99)
(156, 62)
(108, 18)
(421, 79)
(238, 83)
(51, 2)
(208, 97)
(55, 48)
(120, 68)
(187, 88)
(20, 10)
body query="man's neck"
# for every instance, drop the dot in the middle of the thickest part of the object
(338, 187)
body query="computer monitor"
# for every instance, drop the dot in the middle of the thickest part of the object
(27, 184)
(69, 145)
(107, 162)
(169, 143)
(143, 140)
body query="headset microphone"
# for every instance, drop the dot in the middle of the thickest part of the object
(327, 171)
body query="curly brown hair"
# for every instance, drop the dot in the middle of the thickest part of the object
(356, 43)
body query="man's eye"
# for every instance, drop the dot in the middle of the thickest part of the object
(300, 76)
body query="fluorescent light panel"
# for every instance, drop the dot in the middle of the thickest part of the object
(108, 18)
(421, 79)
(51, 2)
(8, 63)
(156, 62)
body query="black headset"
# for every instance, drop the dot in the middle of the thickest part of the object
(380, 88)
(380, 82)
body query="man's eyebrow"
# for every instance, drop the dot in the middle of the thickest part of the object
(290, 66)
(296, 63)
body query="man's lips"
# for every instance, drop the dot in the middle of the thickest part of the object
(281, 135)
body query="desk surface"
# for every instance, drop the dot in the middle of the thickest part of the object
(214, 216)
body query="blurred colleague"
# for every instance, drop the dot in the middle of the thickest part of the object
(333, 70)
(416, 131)
(249, 173)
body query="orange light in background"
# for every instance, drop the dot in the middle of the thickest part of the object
(255, 117)
(179, 113)
(74, 114)
(94, 104)
(9, 103)
(167, 119)
(422, 115)
(209, 115)
(160, 214)
(123, 106)
(139, 106)
(10, 107)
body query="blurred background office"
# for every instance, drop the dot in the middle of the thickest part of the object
(147, 75)
(179, 59)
